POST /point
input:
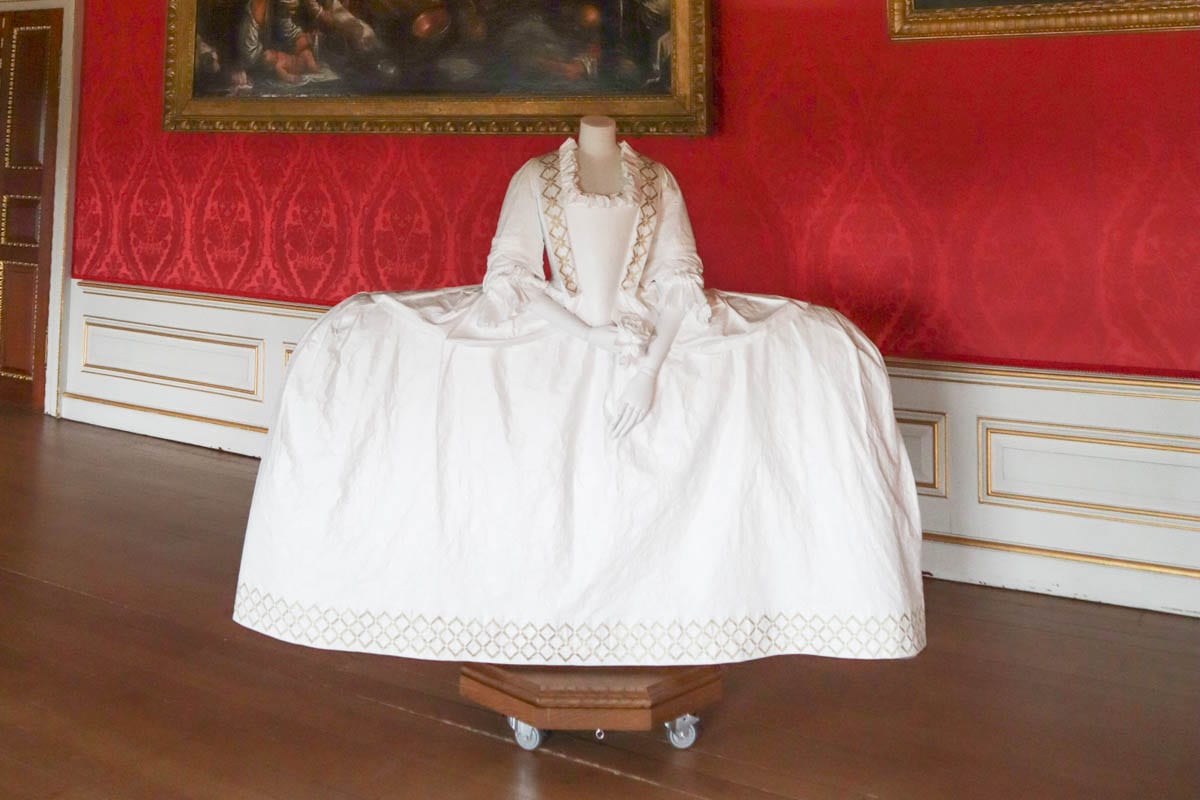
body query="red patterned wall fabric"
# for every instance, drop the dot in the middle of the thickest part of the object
(1030, 201)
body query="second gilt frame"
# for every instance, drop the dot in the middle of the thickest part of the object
(914, 19)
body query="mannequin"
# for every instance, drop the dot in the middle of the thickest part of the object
(599, 156)
(600, 173)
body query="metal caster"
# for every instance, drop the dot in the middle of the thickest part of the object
(527, 736)
(681, 731)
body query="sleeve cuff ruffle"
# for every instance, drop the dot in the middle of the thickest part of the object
(507, 290)
(633, 337)
(682, 289)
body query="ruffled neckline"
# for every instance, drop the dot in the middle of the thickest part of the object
(572, 191)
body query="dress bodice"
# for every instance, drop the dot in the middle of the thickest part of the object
(600, 239)
(614, 259)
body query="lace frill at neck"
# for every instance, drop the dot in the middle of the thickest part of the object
(572, 191)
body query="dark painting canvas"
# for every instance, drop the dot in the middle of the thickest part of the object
(398, 48)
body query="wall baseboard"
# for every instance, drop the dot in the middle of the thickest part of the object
(1076, 484)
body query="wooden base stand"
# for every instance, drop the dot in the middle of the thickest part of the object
(537, 699)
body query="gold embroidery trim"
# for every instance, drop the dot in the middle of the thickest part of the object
(556, 221)
(646, 224)
(683, 641)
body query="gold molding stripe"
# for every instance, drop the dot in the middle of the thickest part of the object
(1117, 384)
(1097, 428)
(935, 420)
(165, 412)
(247, 343)
(1080, 376)
(202, 299)
(988, 495)
(1087, 558)
(905, 21)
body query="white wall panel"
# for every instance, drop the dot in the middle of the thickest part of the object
(172, 356)
(924, 434)
(1140, 477)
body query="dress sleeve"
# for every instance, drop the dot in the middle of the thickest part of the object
(514, 265)
(674, 276)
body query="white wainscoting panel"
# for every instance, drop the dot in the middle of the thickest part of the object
(197, 368)
(924, 434)
(1077, 484)
(1128, 475)
(172, 356)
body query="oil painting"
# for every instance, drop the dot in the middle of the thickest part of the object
(436, 65)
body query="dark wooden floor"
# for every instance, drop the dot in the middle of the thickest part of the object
(122, 676)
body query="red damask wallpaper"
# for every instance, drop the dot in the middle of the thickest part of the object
(1032, 201)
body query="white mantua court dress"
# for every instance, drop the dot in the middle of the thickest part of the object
(440, 483)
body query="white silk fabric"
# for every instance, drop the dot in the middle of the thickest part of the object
(440, 483)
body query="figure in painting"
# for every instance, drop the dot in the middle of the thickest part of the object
(654, 20)
(270, 42)
(272, 46)
(332, 16)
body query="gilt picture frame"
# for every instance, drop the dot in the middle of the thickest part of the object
(437, 66)
(931, 19)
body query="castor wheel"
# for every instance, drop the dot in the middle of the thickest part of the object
(527, 736)
(681, 731)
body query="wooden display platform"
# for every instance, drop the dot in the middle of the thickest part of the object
(591, 698)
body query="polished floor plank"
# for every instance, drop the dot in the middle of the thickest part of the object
(122, 676)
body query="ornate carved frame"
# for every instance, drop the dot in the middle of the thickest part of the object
(905, 21)
(686, 110)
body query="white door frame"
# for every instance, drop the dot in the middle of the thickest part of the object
(64, 183)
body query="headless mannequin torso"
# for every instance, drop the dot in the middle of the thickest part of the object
(599, 156)
(600, 234)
